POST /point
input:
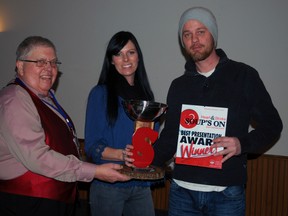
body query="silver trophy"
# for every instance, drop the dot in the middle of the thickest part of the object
(143, 113)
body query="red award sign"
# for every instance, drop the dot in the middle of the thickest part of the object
(198, 126)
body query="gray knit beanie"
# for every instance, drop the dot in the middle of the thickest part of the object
(204, 16)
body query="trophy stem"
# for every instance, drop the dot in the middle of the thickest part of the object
(139, 124)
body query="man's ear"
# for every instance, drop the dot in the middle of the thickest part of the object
(19, 66)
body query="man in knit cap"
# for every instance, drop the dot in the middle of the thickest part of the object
(212, 83)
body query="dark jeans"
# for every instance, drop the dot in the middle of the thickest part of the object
(114, 201)
(184, 202)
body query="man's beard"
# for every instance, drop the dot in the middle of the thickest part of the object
(201, 55)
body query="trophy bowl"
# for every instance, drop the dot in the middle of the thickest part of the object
(141, 110)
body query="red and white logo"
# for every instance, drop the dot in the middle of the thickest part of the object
(189, 118)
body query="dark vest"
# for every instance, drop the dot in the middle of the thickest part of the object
(59, 137)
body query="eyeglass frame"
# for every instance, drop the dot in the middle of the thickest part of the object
(53, 63)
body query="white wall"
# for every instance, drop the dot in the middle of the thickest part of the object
(254, 32)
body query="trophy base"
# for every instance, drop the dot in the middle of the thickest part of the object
(148, 173)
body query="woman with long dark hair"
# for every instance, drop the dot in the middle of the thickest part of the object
(108, 129)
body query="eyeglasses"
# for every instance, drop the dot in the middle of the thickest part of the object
(42, 62)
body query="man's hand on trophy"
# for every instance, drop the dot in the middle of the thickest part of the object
(127, 155)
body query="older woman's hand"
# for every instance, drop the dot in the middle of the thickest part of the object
(109, 172)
